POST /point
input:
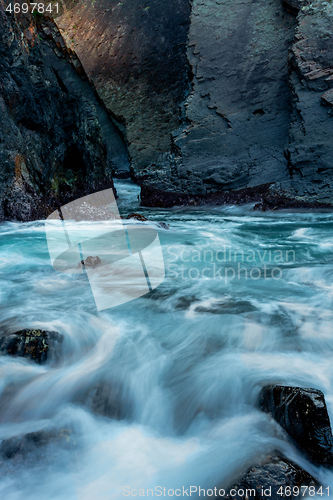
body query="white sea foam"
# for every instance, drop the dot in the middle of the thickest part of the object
(185, 362)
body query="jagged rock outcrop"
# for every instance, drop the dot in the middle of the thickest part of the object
(303, 414)
(38, 345)
(53, 130)
(208, 97)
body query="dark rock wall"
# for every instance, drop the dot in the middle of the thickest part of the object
(239, 107)
(215, 95)
(51, 123)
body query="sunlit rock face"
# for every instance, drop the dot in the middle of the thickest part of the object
(52, 128)
(135, 53)
(210, 94)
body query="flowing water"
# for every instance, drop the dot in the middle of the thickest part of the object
(247, 301)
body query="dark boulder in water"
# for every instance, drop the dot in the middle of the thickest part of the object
(38, 345)
(142, 218)
(211, 104)
(303, 414)
(19, 447)
(276, 478)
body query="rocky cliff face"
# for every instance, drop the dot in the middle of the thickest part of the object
(215, 95)
(53, 130)
(310, 149)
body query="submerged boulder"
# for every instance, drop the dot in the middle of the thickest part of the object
(38, 345)
(275, 478)
(19, 447)
(294, 6)
(303, 415)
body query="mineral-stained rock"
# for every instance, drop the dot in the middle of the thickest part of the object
(303, 414)
(56, 139)
(265, 480)
(38, 345)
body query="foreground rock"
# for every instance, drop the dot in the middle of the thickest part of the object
(38, 345)
(303, 414)
(56, 139)
(309, 153)
(273, 479)
(20, 447)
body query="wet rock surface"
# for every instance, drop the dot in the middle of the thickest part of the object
(142, 218)
(134, 52)
(238, 111)
(56, 140)
(33, 444)
(303, 414)
(267, 479)
(38, 345)
(108, 400)
(136, 216)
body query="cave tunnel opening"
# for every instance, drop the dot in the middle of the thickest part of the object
(73, 173)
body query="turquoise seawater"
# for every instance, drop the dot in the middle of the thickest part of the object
(247, 301)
